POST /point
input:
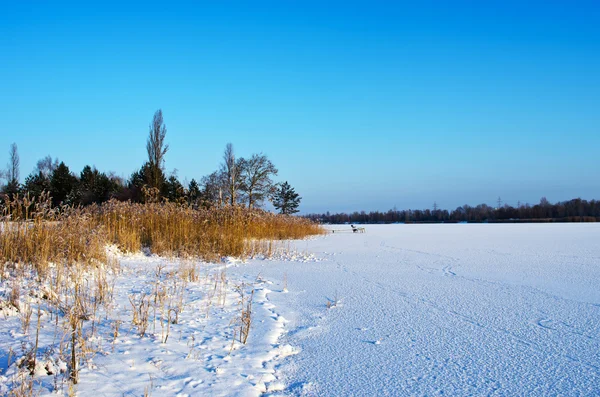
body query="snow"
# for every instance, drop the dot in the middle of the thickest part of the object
(399, 310)
(444, 309)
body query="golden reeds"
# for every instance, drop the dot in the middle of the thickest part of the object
(34, 233)
(173, 229)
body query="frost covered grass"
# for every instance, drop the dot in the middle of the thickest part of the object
(67, 300)
(148, 323)
(144, 322)
(57, 318)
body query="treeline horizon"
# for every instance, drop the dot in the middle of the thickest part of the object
(246, 182)
(574, 210)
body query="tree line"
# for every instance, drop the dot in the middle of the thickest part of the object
(237, 182)
(575, 210)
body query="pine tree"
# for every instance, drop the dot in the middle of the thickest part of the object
(193, 193)
(36, 183)
(11, 188)
(142, 178)
(286, 200)
(95, 186)
(173, 189)
(62, 184)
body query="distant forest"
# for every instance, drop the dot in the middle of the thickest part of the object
(576, 210)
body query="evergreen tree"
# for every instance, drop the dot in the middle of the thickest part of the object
(138, 178)
(11, 188)
(62, 185)
(142, 178)
(286, 200)
(36, 183)
(95, 186)
(87, 182)
(173, 189)
(193, 193)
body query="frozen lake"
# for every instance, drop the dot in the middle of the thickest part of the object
(478, 309)
(507, 310)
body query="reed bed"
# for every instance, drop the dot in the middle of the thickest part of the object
(32, 232)
(172, 229)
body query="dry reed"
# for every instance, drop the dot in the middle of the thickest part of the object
(34, 233)
(173, 229)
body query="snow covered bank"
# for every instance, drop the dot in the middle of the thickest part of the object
(172, 328)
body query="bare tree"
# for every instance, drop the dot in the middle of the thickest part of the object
(212, 189)
(157, 149)
(47, 166)
(13, 164)
(230, 170)
(256, 182)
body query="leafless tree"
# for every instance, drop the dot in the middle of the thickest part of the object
(230, 169)
(12, 173)
(156, 148)
(47, 166)
(256, 182)
(212, 189)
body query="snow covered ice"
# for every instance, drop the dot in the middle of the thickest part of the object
(483, 309)
(461, 309)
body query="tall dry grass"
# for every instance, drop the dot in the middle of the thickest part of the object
(32, 232)
(173, 229)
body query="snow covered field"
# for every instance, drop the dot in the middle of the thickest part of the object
(400, 310)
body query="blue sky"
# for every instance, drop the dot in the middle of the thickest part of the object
(361, 105)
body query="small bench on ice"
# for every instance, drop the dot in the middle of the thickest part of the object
(357, 229)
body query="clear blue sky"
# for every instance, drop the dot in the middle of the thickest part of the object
(361, 105)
